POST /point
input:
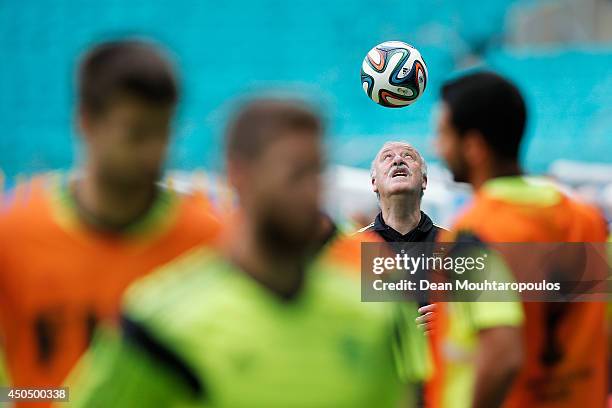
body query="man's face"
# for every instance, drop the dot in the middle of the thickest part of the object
(449, 145)
(283, 189)
(127, 143)
(398, 169)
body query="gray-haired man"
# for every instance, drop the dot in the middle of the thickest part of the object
(399, 178)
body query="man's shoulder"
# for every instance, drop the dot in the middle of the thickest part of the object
(439, 228)
(180, 285)
(437, 232)
(196, 217)
(26, 197)
(26, 211)
(367, 228)
(492, 217)
(477, 215)
(591, 218)
(368, 233)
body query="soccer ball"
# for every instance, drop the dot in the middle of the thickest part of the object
(394, 74)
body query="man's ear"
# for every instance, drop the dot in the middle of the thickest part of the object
(475, 148)
(374, 187)
(83, 124)
(424, 183)
(232, 172)
(235, 173)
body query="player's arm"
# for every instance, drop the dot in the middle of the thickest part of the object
(410, 346)
(131, 369)
(498, 360)
(411, 352)
(499, 355)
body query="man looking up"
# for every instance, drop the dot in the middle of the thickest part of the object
(399, 179)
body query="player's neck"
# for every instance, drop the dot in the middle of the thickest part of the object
(401, 212)
(278, 271)
(108, 209)
(481, 175)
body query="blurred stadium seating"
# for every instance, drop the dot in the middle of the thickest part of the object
(227, 49)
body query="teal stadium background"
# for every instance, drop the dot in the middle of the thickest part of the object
(225, 50)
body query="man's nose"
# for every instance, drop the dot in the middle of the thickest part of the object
(398, 160)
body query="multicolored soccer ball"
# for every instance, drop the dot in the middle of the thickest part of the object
(394, 74)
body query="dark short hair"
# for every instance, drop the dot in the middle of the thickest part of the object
(125, 68)
(260, 122)
(490, 104)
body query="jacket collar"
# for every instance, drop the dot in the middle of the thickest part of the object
(425, 225)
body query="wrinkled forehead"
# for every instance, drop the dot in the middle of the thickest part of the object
(395, 146)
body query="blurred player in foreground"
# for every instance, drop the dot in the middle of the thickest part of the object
(70, 245)
(563, 362)
(276, 320)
